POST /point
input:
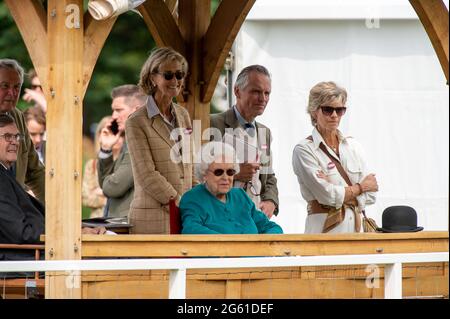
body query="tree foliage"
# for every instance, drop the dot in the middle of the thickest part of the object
(120, 60)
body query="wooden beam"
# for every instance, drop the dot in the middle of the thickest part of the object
(193, 18)
(95, 34)
(31, 19)
(262, 245)
(434, 17)
(162, 25)
(218, 40)
(172, 6)
(64, 146)
(233, 289)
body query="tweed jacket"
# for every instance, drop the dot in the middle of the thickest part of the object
(116, 180)
(157, 178)
(29, 169)
(269, 190)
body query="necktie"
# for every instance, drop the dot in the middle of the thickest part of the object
(250, 129)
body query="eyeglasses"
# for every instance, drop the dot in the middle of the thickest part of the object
(328, 110)
(168, 75)
(10, 137)
(252, 188)
(219, 172)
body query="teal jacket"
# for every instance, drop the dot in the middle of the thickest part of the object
(203, 213)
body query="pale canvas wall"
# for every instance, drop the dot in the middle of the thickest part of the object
(397, 108)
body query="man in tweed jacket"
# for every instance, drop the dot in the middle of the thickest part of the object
(252, 91)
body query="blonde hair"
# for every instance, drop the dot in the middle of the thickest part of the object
(322, 93)
(157, 58)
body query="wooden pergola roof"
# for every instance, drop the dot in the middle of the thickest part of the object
(64, 45)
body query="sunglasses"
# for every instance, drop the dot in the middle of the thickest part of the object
(168, 75)
(328, 110)
(219, 172)
(10, 137)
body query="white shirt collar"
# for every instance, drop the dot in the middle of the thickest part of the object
(317, 138)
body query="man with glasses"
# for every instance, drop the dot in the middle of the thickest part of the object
(252, 90)
(28, 170)
(22, 217)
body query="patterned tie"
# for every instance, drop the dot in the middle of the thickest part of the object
(250, 129)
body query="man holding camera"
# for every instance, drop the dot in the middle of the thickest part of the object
(116, 177)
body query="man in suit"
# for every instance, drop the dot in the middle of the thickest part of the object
(28, 170)
(116, 177)
(21, 215)
(252, 90)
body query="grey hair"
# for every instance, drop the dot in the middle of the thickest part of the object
(322, 93)
(12, 65)
(209, 153)
(242, 78)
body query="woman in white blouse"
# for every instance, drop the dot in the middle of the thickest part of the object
(334, 204)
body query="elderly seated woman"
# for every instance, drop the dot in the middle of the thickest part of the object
(214, 207)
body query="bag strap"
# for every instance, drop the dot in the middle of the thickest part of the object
(335, 161)
(338, 166)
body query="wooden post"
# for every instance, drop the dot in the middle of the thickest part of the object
(393, 281)
(193, 18)
(434, 17)
(64, 147)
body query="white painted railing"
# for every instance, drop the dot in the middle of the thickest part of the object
(178, 266)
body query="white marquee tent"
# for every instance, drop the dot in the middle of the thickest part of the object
(398, 96)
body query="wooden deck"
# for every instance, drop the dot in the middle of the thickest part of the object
(419, 280)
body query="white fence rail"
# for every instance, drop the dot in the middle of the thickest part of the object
(177, 279)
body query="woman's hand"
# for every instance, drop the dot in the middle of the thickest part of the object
(322, 175)
(369, 184)
(36, 97)
(107, 139)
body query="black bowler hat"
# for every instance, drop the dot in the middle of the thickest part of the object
(399, 219)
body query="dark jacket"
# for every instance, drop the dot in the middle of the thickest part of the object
(21, 215)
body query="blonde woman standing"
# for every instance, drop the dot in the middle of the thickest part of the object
(162, 170)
